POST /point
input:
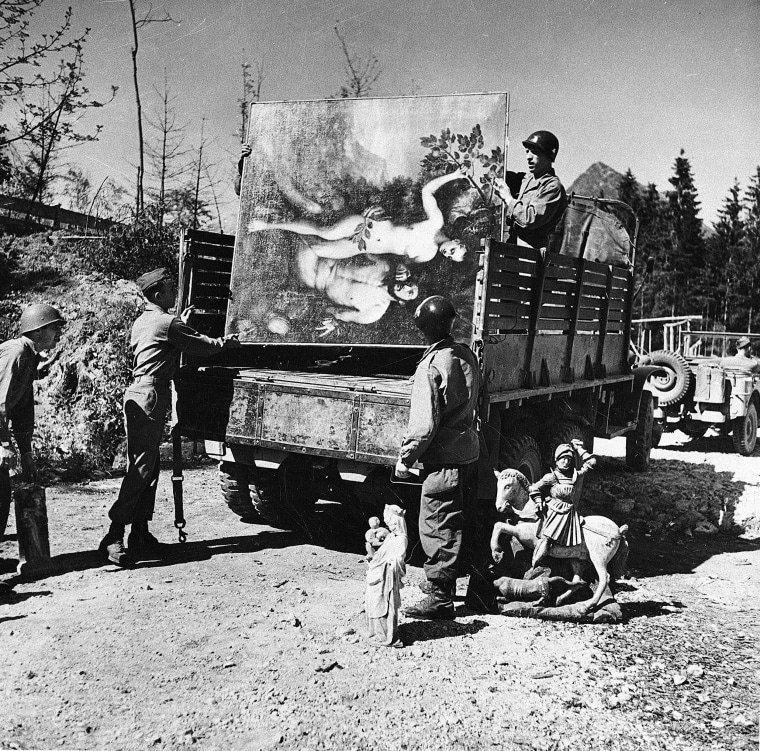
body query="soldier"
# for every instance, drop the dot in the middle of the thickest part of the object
(442, 434)
(743, 359)
(158, 339)
(39, 331)
(534, 203)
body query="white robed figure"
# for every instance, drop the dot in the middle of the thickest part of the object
(385, 572)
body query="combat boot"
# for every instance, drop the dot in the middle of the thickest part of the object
(112, 548)
(142, 544)
(437, 605)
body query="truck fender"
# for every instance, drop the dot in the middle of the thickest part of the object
(641, 376)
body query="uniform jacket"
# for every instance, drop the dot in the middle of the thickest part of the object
(158, 339)
(18, 369)
(443, 417)
(539, 206)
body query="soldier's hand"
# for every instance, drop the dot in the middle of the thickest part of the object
(402, 471)
(328, 326)
(186, 313)
(245, 150)
(7, 457)
(231, 341)
(28, 468)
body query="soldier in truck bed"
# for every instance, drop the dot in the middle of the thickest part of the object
(534, 203)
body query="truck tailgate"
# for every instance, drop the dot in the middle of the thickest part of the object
(350, 417)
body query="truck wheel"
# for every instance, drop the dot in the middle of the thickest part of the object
(672, 387)
(638, 443)
(521, 452)
(745, 431)
(237, 494)
(284, 497)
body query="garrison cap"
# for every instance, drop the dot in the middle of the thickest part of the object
(743, 342)
(152, 278)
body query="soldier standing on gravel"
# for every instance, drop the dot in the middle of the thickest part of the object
(442, 434)
(39, 331)
(158, 338)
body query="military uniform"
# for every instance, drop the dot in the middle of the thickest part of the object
(442, 435)
(539, 206)
(18, 370)
(158, 338)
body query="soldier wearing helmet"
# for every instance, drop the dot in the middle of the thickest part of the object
(534, 202)
(442, 435)
(39, 331)
(158, 338)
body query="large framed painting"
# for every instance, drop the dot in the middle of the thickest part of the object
(352, 211)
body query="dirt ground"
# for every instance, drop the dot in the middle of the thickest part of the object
(249, 637)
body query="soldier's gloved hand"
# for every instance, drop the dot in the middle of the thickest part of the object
(28, 468)
(401, 470)
(7, 457)
(328, 326)
(186, 313)
(231, 341)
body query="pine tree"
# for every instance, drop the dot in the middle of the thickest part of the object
(751, 243)
(724, 298)
(688, 257)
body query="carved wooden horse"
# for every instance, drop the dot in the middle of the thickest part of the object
(605, 543)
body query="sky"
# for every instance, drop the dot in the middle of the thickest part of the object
(625, 82)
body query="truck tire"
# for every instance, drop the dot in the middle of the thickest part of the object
(671, 388)
(638, 443)
(521, 452)
(233, 478)
(745, 431)
(285, 497)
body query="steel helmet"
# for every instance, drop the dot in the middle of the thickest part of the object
(37, 316)
(544, 141)
(434, 316)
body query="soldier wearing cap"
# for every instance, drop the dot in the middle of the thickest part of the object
(533, 203)
(743, 359)
(158, 338)
(442, 434)
(40, 330)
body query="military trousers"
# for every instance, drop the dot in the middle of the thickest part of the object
(146, 403)
(448, 492)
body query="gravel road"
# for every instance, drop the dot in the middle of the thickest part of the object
(249, 637)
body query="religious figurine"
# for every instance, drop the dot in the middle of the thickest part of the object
(559, 493)
(385, 572)
(374, 536)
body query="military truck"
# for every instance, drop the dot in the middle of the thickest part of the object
(315, 403)
(699, 387)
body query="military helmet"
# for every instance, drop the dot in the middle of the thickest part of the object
(37, 316)
(434, 316)
(544, 141)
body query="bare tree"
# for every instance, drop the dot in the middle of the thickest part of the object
(169, 157)
(251, 93)
(361, 74)
(137, 24)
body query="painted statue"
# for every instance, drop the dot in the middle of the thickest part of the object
(385, 572)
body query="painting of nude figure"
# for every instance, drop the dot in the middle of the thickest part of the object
(353, 211)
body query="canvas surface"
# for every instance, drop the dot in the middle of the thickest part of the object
(353, 211)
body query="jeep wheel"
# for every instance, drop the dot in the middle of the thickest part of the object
(638, 443)
(745, 431)
(673, 385)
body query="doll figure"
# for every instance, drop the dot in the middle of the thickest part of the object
(558, 492)
(374, 536)
(386, 570)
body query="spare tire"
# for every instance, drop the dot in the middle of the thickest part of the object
(672, 386)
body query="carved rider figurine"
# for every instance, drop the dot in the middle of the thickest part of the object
(558, 494)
